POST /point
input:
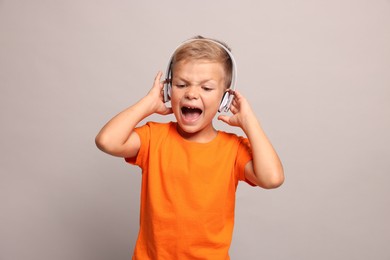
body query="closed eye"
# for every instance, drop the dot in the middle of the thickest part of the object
(180, 85)
(207, 88)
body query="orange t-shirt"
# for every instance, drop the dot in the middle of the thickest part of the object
(188, 193)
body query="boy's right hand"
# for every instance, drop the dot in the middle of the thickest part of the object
(156, 96)
(118, 137)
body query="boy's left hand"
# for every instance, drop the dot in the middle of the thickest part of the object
(240, 109)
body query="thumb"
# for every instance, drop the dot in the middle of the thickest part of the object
(165, 110)
(224, 118)
(168, 111)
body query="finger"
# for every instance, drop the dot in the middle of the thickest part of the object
(224, 118)
(157, 79)
(237, 94)
(234, 106)
(162, 93)
(233, 109)
(169, 111)
(240, 98)
(158, 76)
(235, 102)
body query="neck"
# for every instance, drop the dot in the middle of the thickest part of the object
(202, 136)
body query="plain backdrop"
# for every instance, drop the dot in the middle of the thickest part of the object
(317, 74)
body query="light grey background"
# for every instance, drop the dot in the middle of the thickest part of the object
(316, 73)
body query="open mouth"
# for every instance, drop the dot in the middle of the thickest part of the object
(191, 113)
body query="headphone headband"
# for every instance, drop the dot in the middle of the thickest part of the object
(227, 98)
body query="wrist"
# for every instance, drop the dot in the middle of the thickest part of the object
(147, 105)
(248, 120)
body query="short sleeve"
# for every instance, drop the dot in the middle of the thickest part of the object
(244, 155)
(142, 155)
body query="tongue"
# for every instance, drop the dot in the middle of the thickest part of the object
(191, 114)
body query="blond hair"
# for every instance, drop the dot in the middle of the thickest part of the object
(201, 48)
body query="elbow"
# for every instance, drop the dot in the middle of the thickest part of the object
(107, 145)
(274, 181)
(102, 143)
(99, 142)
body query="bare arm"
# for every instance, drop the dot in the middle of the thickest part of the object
(117, 137)
(265, 169)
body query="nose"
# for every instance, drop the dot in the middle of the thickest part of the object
(192, 93)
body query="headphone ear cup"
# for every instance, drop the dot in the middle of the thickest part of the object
(167, 91)
(224, 102)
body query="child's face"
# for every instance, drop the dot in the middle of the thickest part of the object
(197, 90)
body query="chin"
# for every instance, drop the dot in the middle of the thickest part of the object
(189, 129)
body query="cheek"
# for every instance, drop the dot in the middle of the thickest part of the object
(218, 97)
(214, 102)
(175, 103)
(174, 97)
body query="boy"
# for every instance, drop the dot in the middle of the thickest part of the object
(190, 170)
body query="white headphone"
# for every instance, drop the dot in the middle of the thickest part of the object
(227, 97)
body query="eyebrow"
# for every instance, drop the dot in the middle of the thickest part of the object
(187, 81)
